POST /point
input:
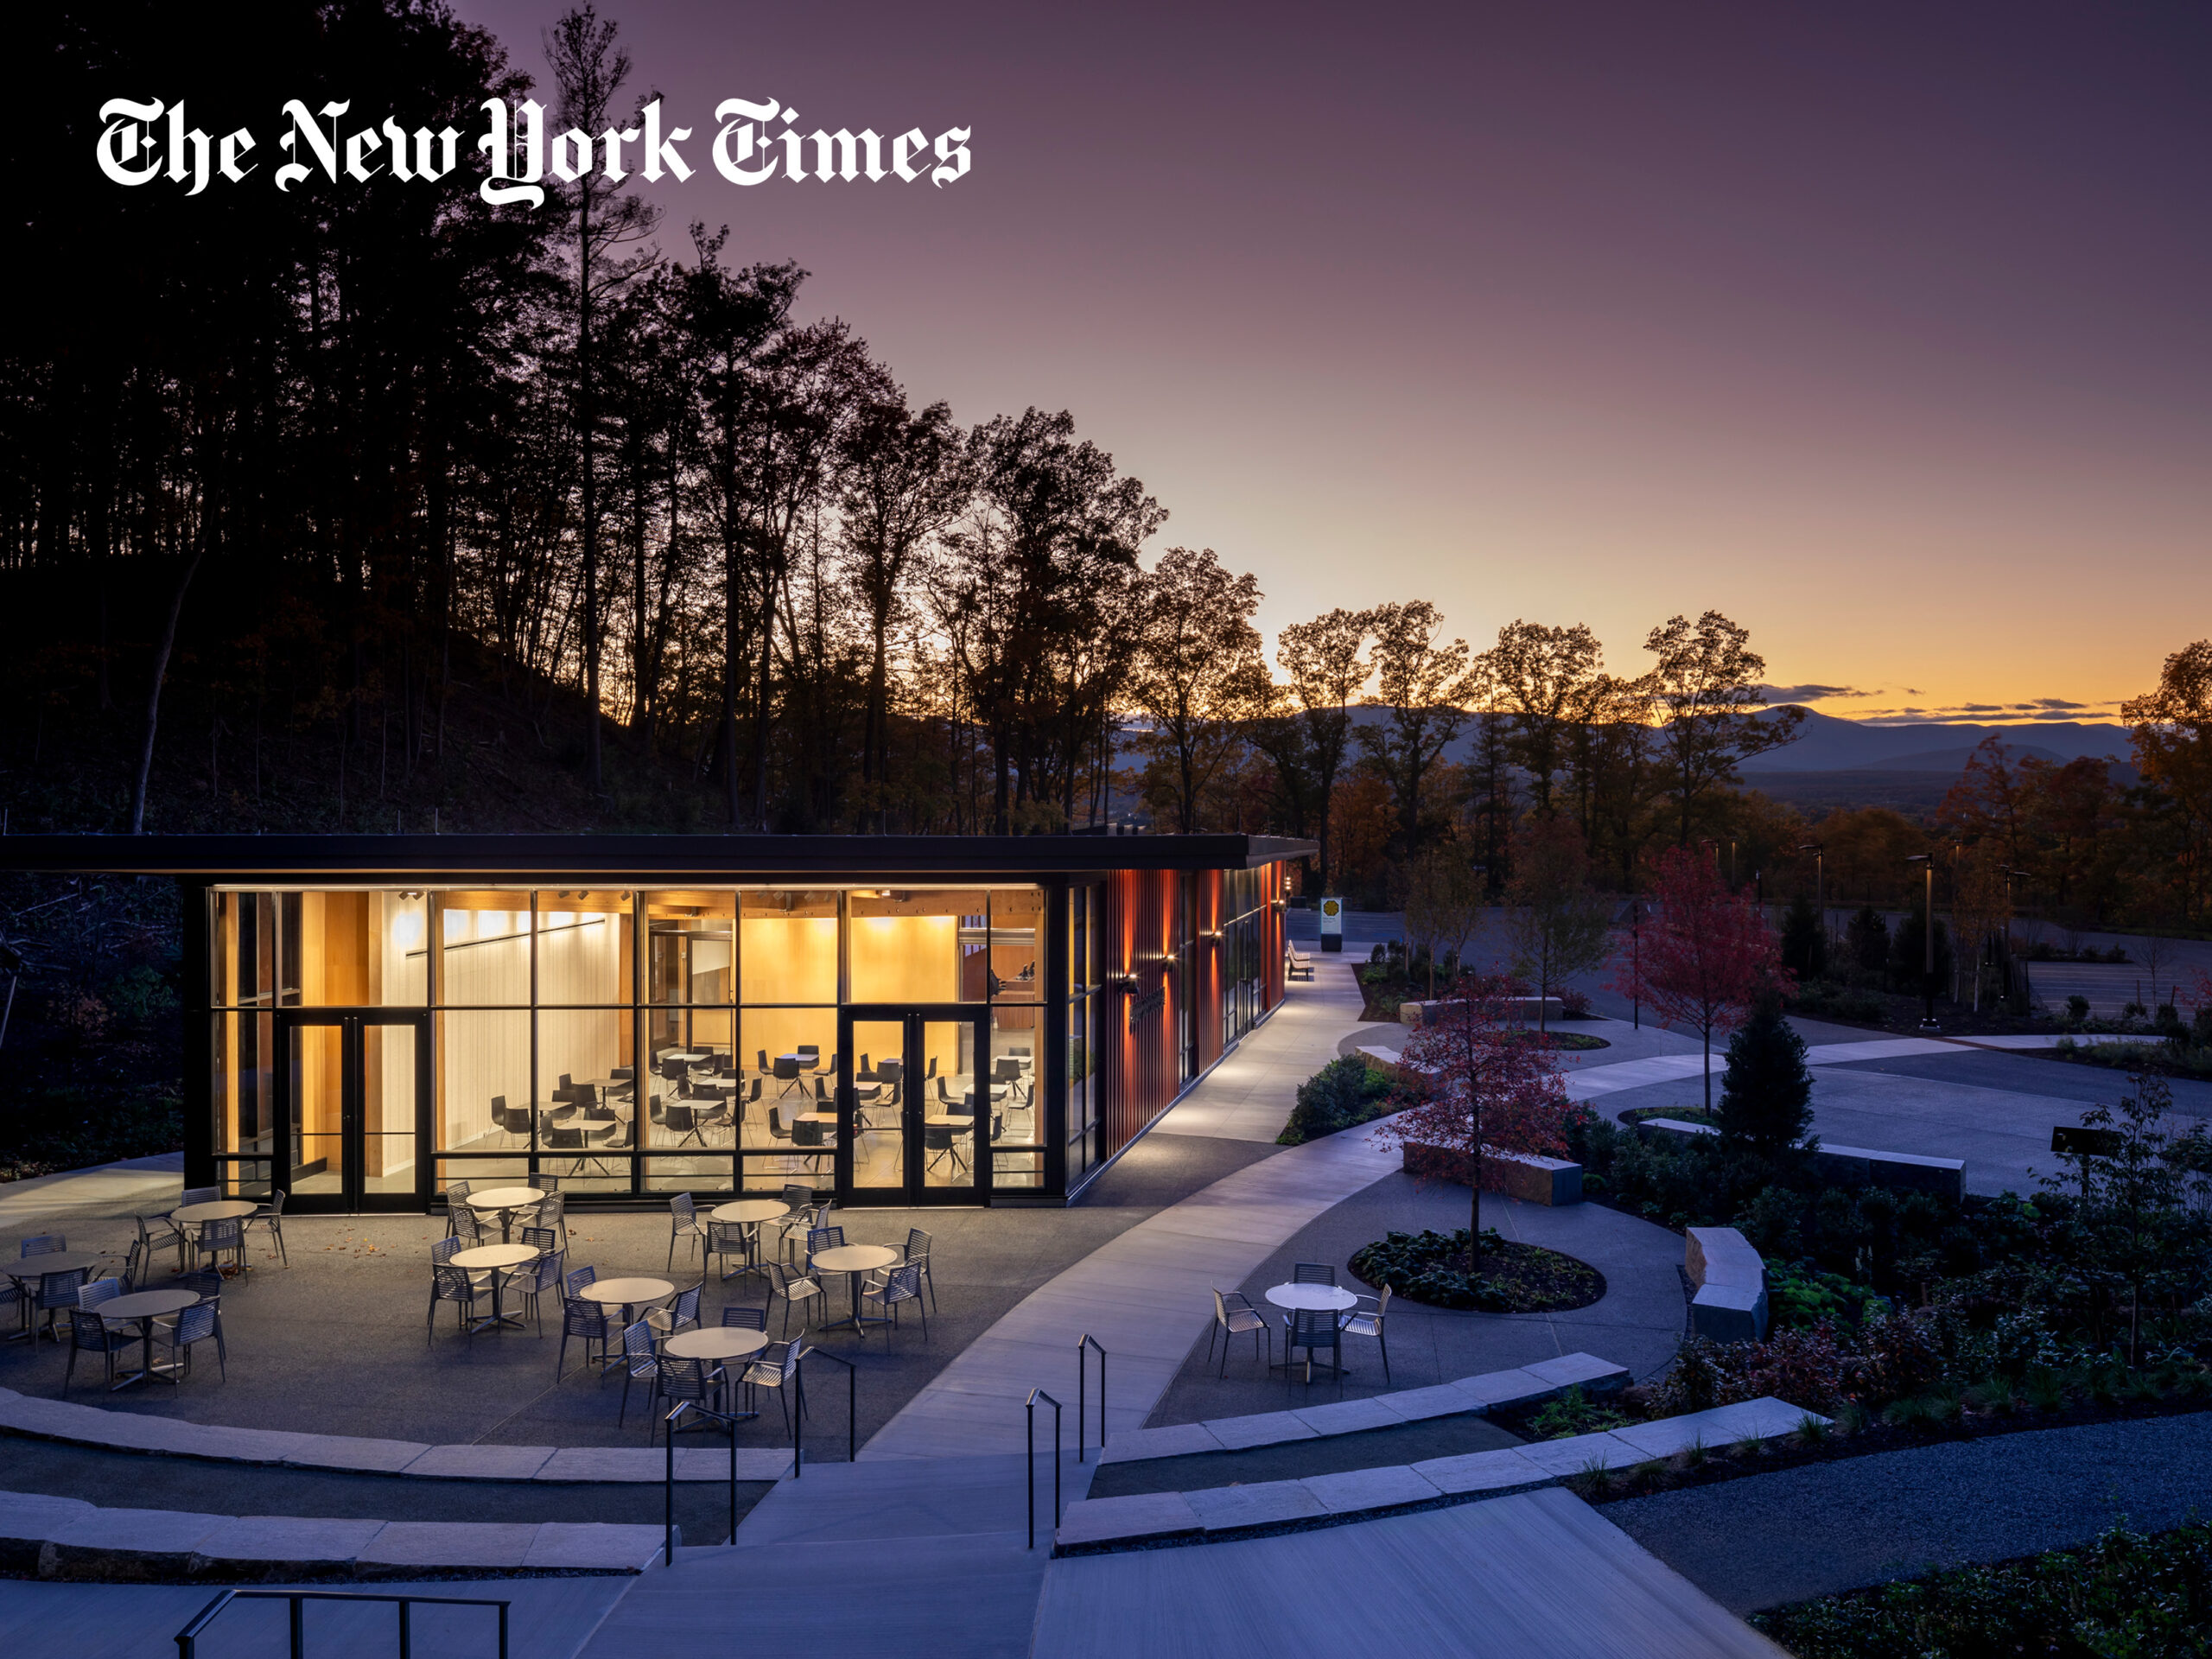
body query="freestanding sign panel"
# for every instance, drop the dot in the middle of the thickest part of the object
(1333, 924)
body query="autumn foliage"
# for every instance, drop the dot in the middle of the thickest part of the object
(1701, 955)
(1493, 1085)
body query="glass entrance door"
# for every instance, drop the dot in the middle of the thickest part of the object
(908, 1083)
(351, 1108)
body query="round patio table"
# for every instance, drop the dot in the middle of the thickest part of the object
(715, 1342)
(853, 1261)
(1311, 1299)
(504, 1201)
(626, 1293)
(26, 1274)
(193, 1215)
(501, 1261)
(222, 1210)
(749, 1213)
(144, 1306)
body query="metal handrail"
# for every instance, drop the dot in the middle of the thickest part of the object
(729, 1421)
(1089, 1341)
(188, 1638)
(1030, 1406)
(852, 1397)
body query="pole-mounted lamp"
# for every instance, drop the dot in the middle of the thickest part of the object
(1927, 862)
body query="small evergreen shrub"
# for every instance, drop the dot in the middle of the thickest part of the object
(1345, 1092)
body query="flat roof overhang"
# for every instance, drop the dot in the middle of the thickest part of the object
(434, 860)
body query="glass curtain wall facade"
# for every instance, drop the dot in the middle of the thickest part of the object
(630, 1040)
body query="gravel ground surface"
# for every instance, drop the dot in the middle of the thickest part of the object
(1766, 1539)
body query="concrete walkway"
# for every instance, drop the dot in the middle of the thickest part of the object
(1538, 1576)
(1765, 1540)
(1249, 1096)
(1147, 1293)
(137, 1186)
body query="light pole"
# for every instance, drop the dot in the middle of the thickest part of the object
(1820, 893)
(1927, 861)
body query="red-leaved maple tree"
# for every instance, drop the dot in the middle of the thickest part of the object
(1701, 955)
(1493, 1085)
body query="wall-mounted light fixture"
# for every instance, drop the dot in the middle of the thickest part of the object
(1125, 984)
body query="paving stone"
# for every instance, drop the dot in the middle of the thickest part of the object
(1502, 1469)
(1349, 1416)
(36, 1515)
(1175, 1440)
(1494, 1388)
(125, 1542)
(593, 1546)
(61, 1420)
(1586, 1372)
(237, 1445)
(1574, 1454)
(1220, 1508)
(354, 1451)
(447, 1543)
(1756, 1420)
(1140, 1515)
(1354, 1489)
(285, 1540)
(1266, 1428)
(1444, 1400)
(481, 1462)
(617, 1464)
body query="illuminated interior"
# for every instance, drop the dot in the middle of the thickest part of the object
(707, 1061)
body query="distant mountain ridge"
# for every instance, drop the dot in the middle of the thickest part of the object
(1826, 743)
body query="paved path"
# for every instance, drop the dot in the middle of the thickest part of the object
(147, 1185)
(1146, 1295)
(1538, 1576)
(1765, 1540)
(1249, 1096)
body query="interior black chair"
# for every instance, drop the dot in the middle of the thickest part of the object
(679, 1119)
(786, 1072)
(939, 1143)
(890, 1071)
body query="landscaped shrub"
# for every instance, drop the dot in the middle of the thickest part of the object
(1572, 1413)
(1345, 1092)
(1799, 1297)
(1431, 1268)
(2128, 1593)
(1573, 1004)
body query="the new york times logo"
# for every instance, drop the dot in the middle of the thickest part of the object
(754, 142)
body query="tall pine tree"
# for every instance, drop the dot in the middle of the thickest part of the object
(1766, 1093)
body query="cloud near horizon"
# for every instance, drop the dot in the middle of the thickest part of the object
(1811, 693)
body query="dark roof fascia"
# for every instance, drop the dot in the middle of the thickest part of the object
(441, 859)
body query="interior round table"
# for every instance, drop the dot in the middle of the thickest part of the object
(1313, 1298)
(191, 1215)
(715, 1342)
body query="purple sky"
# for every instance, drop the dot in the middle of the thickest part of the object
(1882, 327)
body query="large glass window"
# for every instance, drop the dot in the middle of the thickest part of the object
(912, 945)
(1017, 971)
(484, 1098)
(787, 946)
(584, 946)
(666, 1038)
(484, 949)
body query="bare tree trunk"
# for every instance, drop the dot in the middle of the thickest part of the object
(154, 692)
